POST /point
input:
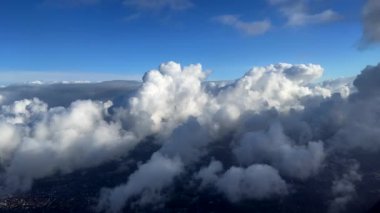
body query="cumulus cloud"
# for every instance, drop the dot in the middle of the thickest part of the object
(367, 81)
(148, 182)
(258, 181)
(343, 86)
(209, 175)
(56, 140)
(303, 73)
(253, 28)
(168, 97)
(359, 129)
(299, 161)
(371, 23)
(264, 134)
(183, 147)
(263, 88)
(188, 119)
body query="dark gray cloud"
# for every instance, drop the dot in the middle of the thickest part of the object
(344, 188)
(360, 125)
(371, 23)
(148, 182)
(367, 82)
(275, 148)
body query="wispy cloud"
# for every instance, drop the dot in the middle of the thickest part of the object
(297, 13)
(70, 3)
(159, 8)
(252, 28)
(158, 5)
(301, 19)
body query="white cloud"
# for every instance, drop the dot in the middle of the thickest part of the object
(249, 28)
(56, 140)
(174, 104)
(168, 97)
(272, 125)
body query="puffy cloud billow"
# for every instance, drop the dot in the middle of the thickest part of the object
(273, 147)
(261, 137)
(258, 181)
(37, 142)
(344, 189)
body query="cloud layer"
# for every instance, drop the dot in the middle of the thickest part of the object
(259, 137)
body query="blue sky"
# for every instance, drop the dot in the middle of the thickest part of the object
(107, 39)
